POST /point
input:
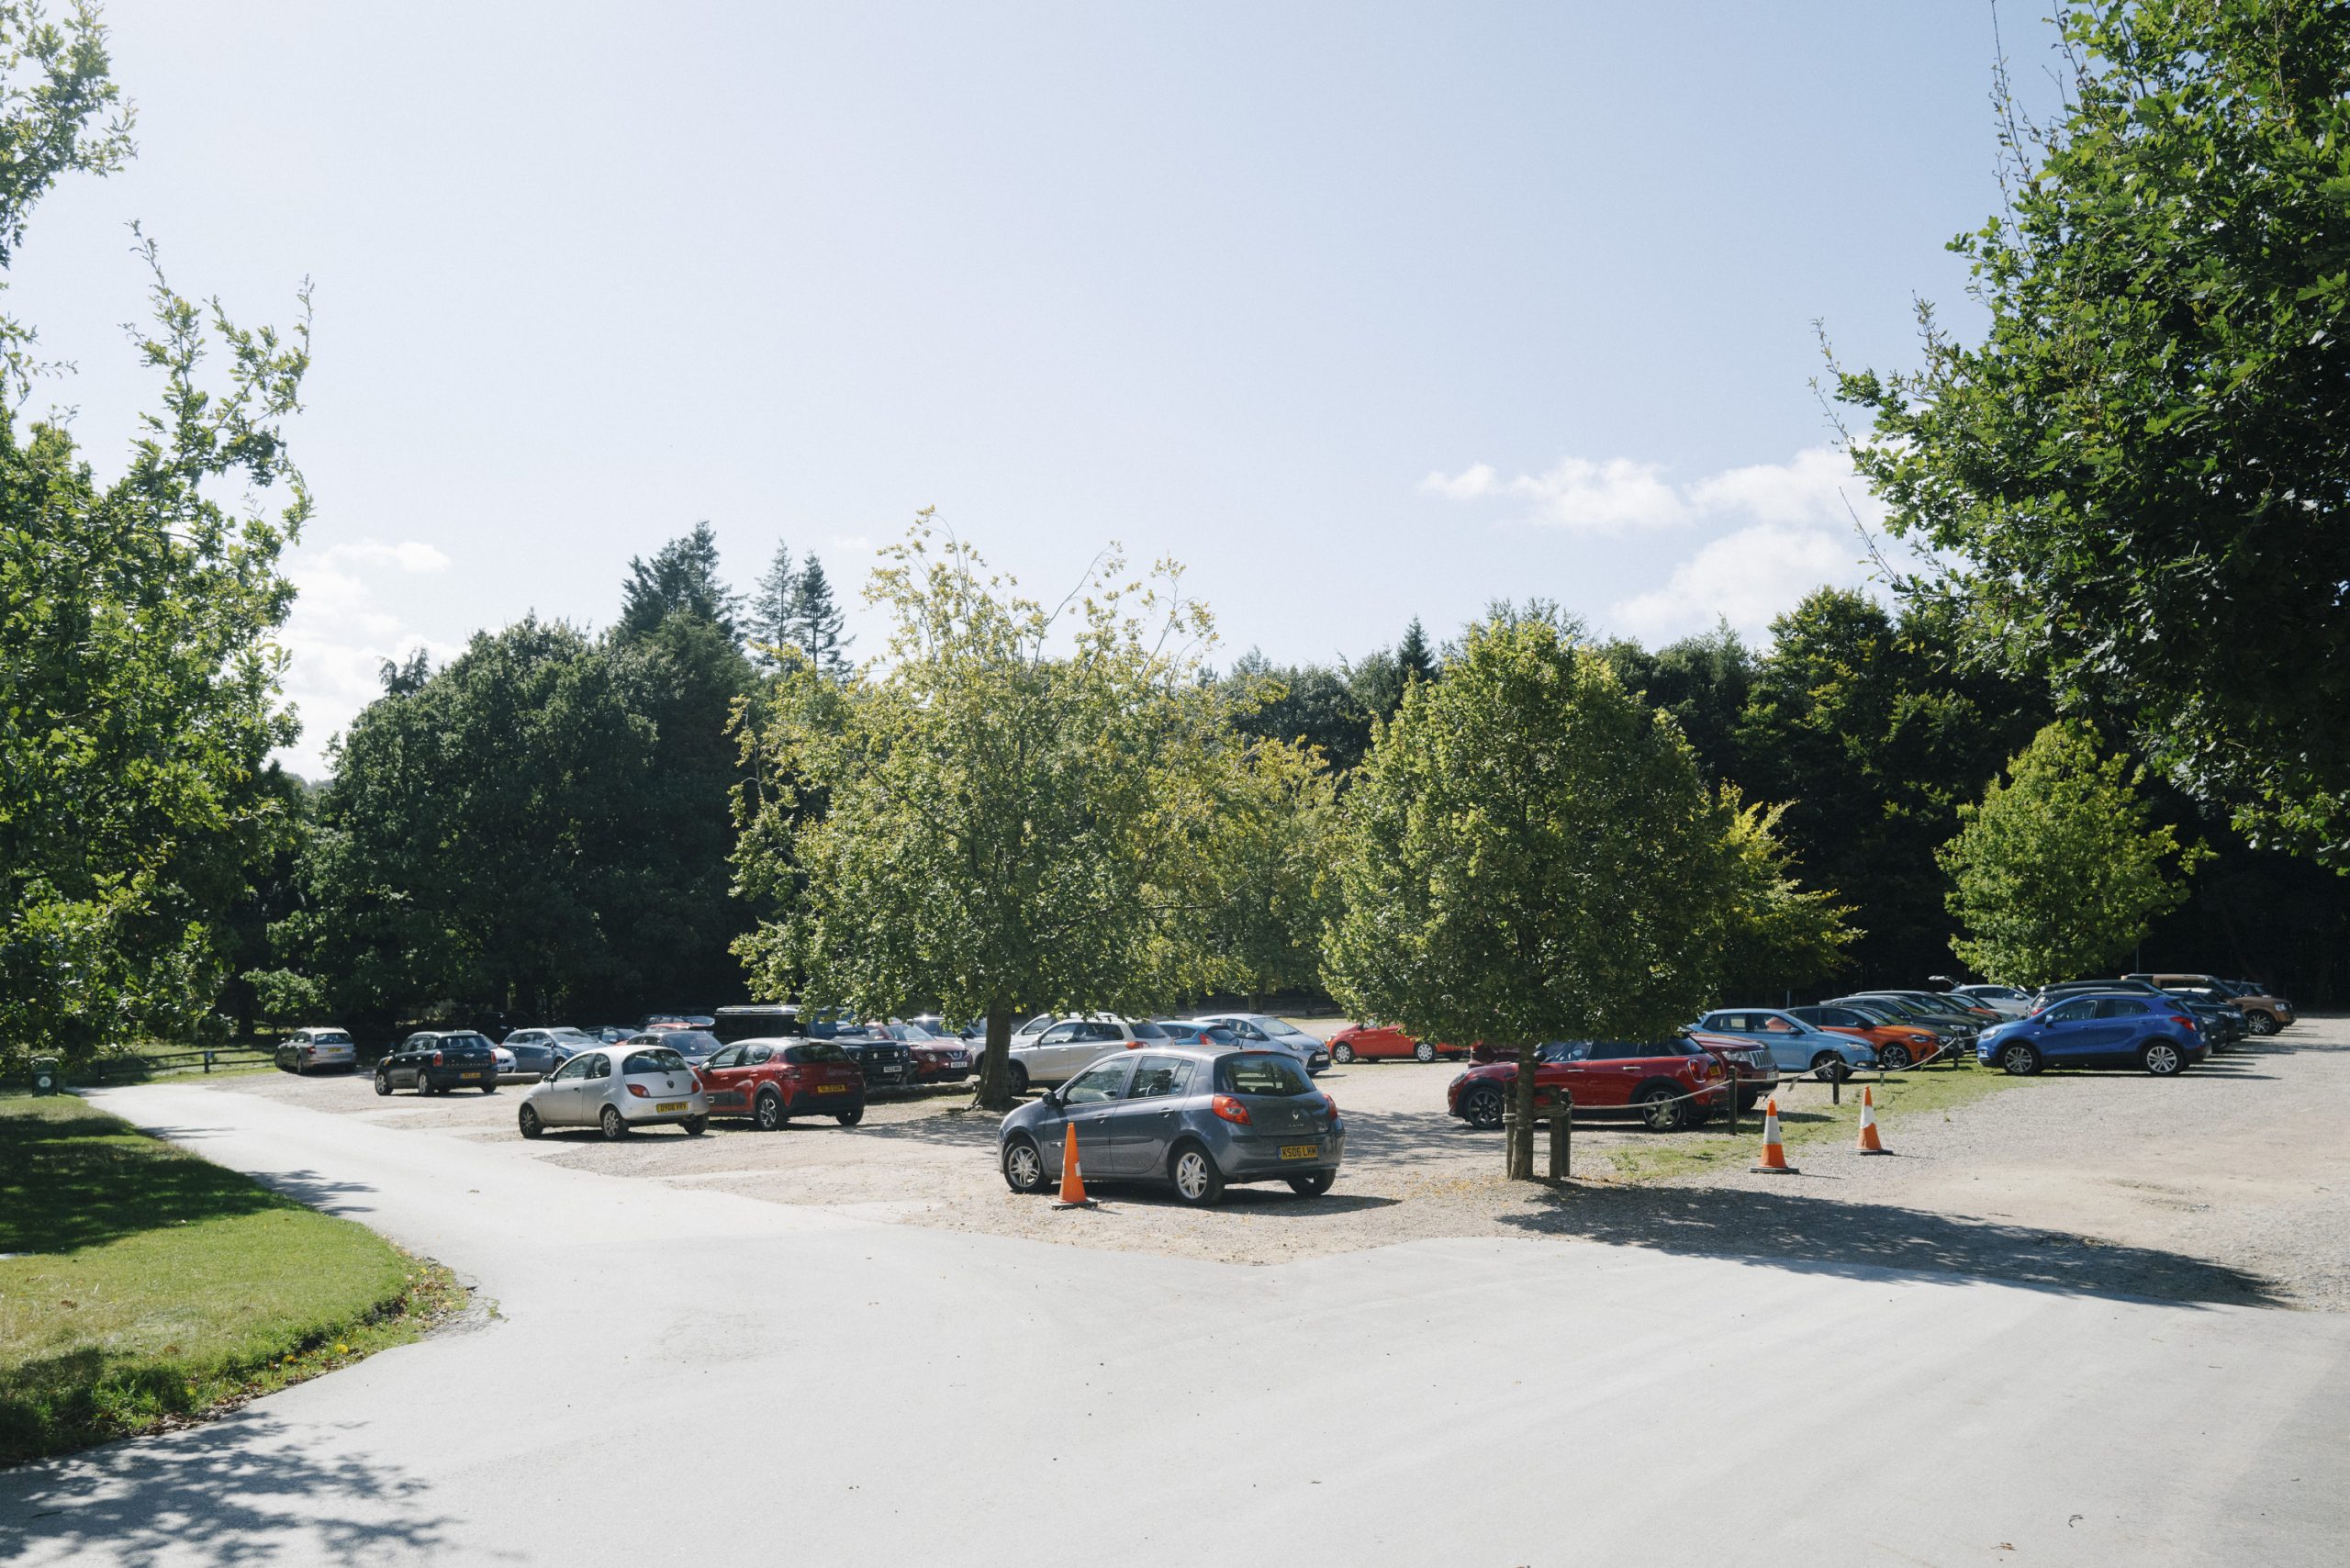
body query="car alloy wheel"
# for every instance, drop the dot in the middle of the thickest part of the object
(382, 1083)
(767, 1115)
(1895, 1057)
(2162, 1059)
(1312, 1186)
(1024, 1167)
(615, 1126)
(1016, 1078)
(1659, 1108)
(1829, 1068)
(1424, 1052)
(2264, 1023)
(1481, 1108)
(2019, 1060)
(1197, 1181)
(1342, 1053)
(527, 1118)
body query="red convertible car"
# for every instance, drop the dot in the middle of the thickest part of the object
(1376, 1041)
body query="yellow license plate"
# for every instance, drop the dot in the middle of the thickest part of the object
(469, 1075)
(831, 1089)
(1300, 1151)
(665, 1106)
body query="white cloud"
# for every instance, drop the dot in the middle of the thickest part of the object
(1747, 578)
(1478, 479)
(339, 635)
(1619, 495)
(852, 544)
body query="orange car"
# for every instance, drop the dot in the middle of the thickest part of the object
(1370, 1042)
(1897, 1045)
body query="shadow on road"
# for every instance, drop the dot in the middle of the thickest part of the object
(222, 1495)
(1803, 1233)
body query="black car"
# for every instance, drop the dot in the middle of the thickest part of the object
(434, 1061)
(887, 1063)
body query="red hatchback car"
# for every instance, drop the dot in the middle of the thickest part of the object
(1672, 1083)
(1378, 1042)
(772, 1081)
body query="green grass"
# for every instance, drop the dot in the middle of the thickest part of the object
(150, 1287)
(1806, 1116)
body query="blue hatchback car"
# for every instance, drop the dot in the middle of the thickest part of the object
(1196, 1117)
(2122, 1029)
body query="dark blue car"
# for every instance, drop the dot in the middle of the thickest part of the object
(2151, 1033)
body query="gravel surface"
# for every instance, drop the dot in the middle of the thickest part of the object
(2225, 1185)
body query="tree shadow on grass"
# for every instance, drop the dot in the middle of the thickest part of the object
(78, 1180)
(241, 1490)
(1812, 1235)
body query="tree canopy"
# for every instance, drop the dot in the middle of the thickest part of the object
(2138, 476)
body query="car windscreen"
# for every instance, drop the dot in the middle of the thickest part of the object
(816, 1053)
(658, 1059)
(1255, 1072)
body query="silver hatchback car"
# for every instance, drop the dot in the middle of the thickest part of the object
(1196, 1117)
(617, 1089)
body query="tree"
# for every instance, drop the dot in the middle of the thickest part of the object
(1526, 855)
(1703, 681)
(2057, 873)
(1312, 705)
(813, 623)
(1776, 932)
(1270, 861)
(682, 576)
(770, 617)
(2138, 475)
(139, 696)
(1413, 654)
(1013, 809)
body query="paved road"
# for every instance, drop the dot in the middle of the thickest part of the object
(678, 1376)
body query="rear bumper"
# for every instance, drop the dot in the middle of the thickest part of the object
(459, 1077)
(1259, 1158)
(637, 1112)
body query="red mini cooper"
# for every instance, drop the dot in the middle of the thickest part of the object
(772, 1081)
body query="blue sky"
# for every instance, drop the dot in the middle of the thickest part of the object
(1361, 311)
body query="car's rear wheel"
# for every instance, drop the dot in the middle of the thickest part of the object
(1197, 1181)
(489, 1087)
(1312, 1186)
(1342, 1053)
(1895, 1057)
(614, 1125)
(527, 1118)
(2162, 1057)
(768, 1114)
(694, 1125)
(850, 1118)
(2018, 1059)
(1024, 1167)
(382, 1083)
(1015, 1078)
(1829, 1068)
(1659, 1108)
(1424, 1052)
(1481, 1108)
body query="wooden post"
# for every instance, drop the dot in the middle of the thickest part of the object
(1562, 1137)
(1836, 1088)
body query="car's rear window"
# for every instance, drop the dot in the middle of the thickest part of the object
(468, 1042)
(331, 1037)
(815, 1053)
(692, 1040)
(1149, 1032)
(658, 1060)
(1259, 1072)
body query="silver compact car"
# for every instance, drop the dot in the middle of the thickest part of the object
(1196, 1117)
(617, 1089)
(307, 1049)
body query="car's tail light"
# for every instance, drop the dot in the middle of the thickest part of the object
(2182, 1022)
(309, 1050)
(638, 1089)
(1133, 1045)
(1230, 1109)
(1333, 1104)
(436, 1058)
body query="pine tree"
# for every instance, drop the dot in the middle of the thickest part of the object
(769, 616)
(1412, 652)
(813, 624)
(682, 576)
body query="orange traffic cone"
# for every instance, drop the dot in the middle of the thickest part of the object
(1775, 1157)
(1072, 1174)
(1869, 1144)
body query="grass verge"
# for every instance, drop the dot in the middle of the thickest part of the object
(1807, 1116)
(142, 1287)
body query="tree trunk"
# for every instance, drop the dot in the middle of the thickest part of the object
(1519, 1144)
(995, 1063)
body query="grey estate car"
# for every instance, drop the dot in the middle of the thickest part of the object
(1196, 1117)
